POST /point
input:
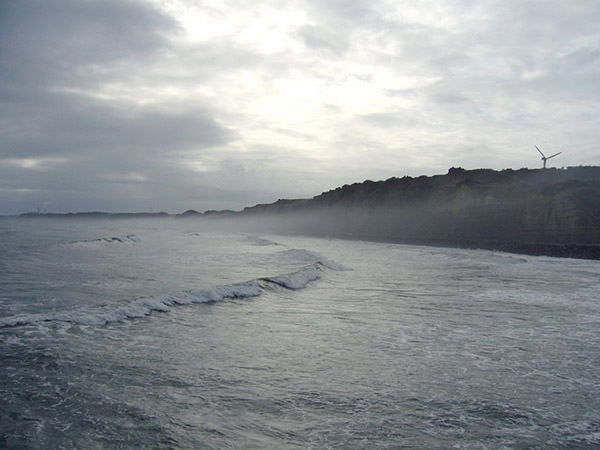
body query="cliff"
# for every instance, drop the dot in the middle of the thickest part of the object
(507, 209)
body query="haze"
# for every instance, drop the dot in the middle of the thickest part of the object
(119, 105)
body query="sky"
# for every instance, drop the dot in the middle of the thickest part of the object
(126, 105)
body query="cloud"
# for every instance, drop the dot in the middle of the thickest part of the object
(66, 124)
(68, 42)
(323, 39)
(123, 102)
(70, 127)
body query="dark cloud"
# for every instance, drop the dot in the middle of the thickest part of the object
(62, 140)
(394, 119)
(67, 125)
(346, 12)
(49, 49)
(70, 42)
(323, 39)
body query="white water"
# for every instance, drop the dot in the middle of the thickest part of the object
(159, 334)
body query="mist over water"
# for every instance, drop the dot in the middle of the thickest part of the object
(165, 334)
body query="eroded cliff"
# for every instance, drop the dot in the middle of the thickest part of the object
(559, 206)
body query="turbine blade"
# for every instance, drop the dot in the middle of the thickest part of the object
(539, 150)
(554, 155)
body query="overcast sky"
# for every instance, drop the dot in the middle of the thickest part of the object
(122, 105)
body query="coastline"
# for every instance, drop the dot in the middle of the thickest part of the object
(551, 249)
(537, 212)
(555, 250)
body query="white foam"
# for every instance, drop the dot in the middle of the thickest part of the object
(25, 319)
(101, 242)
(301, 256)
(592, 438)
(261, 242)
(296, 280)
(332, 264)
(143, 307)
(13, 340)
(240, 290)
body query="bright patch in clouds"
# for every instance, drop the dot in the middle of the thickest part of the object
(41, 164)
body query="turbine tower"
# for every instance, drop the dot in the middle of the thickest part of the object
(546, 158)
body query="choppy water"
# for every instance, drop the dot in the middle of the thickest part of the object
(159, 334)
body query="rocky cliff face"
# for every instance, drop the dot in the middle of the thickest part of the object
(545, 205)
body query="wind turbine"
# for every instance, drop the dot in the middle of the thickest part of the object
(544, 157)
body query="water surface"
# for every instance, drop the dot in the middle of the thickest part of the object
(162, 334)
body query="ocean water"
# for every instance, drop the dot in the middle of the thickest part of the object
(162, 334)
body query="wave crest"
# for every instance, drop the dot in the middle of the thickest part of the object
(96, 243)
(143, 307)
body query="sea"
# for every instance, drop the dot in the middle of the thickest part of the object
(177, 334)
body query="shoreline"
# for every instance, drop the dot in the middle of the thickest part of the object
(552, 249)
(555, 250)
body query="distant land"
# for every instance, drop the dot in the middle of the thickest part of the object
(554, 212)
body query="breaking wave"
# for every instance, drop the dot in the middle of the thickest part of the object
(143, 307)
(260, 242)
(94, 243)
(301, 256)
